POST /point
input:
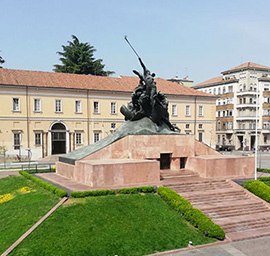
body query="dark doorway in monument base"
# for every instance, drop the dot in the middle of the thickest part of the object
(165, 161)
(58, 133)
(183, 161)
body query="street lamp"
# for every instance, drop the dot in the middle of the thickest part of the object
(256, 131)
(20, 156)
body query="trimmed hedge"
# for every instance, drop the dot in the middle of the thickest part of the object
(134, 190)
(258, 188)
(263, 170)
(191, 214)
(58, 191)
(79, 194)
(40, 170)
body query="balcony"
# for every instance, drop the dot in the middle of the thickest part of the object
(241, 118)
(244, 93)
(247, 105)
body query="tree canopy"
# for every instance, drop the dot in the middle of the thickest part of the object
(78, 58)
(2, 61)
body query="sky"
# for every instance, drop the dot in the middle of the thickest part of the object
(198, 38)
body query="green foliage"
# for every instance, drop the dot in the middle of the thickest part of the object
(263, 170)
(111, 225)
(40, 170)
(105, 192)
(134, 190)
(58, 191)
(191, 214)
(78, 58)
(258, 188)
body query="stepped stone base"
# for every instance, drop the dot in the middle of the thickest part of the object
(111, 172)
(221, 165)
(135, 159)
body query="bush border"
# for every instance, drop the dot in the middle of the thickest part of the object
(258, 188)
(191, 214)
(55, 190)
(105, 192)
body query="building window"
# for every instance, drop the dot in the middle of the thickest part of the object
(200, 110)
(58, 105)
(37, 105)
(218, 113)
(187, 126)
(37, 138)
(230, 89)
(78, 138)
(96, 137)
(174, 110)
(219, 90)
(224, 89)
(78, 106)
(265, 139)
(215, 91)
(200, 126)
(218, 139)
(187, 110)
(96, 107)
(16, 140)
(113, 108)
(218, 125)
(16, 104)
(200, 136)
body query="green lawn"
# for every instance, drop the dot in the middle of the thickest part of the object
(23, 210)
(111, 225)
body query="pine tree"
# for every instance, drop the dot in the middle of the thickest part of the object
(78, 58)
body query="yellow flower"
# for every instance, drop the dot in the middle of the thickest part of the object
(26, 190)
(5, 198)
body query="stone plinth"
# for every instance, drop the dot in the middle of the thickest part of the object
(221, 166)
(112, 172)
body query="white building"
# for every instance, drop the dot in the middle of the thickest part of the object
(237, 104)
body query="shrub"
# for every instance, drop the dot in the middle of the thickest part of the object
(191, 214)
(135, 190)
(58, 191)
(258, 188)
(263, 170)
(78, 194)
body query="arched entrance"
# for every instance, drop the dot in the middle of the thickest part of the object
(58, 138)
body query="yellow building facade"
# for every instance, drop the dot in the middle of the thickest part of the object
(50, 113)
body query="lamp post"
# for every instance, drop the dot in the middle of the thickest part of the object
(20, 145)
(256, 131)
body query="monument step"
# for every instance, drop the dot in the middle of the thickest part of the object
(239, 213)
(246, 225)
(248, 234)
(218, 215)
(201, 187)
(236, 219)
(236, 207)
(227, 204)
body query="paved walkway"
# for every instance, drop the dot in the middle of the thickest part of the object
(4, 173)
(253, 247)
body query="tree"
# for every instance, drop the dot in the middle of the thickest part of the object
(78, 58)
(2, 61)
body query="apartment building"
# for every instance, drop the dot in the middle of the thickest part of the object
(243, 104)
(54, 113)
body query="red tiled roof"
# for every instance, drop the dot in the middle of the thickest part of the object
(210, 81)
(247, 65)
(96, 83)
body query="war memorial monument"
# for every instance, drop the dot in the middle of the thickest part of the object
(144, 144)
